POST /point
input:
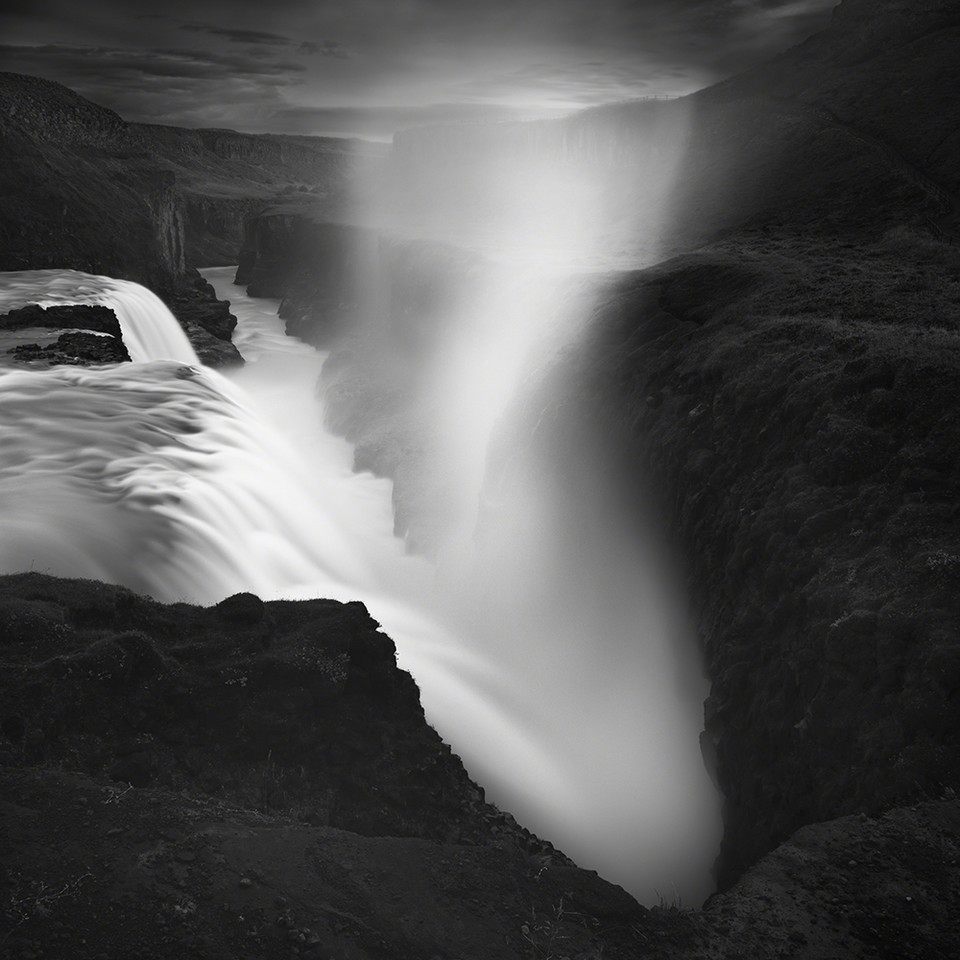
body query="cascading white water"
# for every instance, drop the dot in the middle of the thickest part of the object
(149, 330)
(166, 476)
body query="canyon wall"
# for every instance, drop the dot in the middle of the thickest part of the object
(797, 435)
(784, 394)
(82, 188)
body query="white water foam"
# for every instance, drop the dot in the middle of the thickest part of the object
(180, 483)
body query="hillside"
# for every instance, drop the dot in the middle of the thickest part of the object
(216, 177)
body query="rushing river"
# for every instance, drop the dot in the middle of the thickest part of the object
(185, 484)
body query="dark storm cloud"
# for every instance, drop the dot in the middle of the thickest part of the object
(84, 63)
(376, 122)
(238, 36)
(395, 60)
(327, 48)
(194, 88)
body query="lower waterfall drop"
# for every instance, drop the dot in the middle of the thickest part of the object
(188, 485)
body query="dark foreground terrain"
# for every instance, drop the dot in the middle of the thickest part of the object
(258, 780)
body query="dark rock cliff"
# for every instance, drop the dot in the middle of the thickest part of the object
(790, 386)
(795, 427)
(257, 779)
(224, 176)
(214, 226)
(76, 191)
(335, 278)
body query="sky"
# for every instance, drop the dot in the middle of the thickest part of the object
(370, 67)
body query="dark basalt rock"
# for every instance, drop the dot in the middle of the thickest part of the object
(78, 347)
(207, 321)
(74, 348)
(77, 316)
(258, 778)
(288, 706)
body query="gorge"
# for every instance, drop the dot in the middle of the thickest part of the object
(734, 452)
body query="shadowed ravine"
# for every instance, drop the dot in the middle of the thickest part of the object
(169, 478)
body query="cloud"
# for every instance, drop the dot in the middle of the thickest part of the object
(238, 36)
(379, 123)
(325, 48)
(583, 82)
(189, 88)
(391, 58)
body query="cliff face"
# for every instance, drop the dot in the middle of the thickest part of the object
(258, 780)
(214, 227)
(334, 278)
(790, 415)
(849, 131)
(787, 391)
(224, 176)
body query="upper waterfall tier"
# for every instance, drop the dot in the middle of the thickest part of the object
(149, 330)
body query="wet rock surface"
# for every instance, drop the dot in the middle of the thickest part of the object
(72, 348)
(93, 337)
(207, 321)
(78, 316)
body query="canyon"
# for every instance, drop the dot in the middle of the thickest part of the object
(770, 386)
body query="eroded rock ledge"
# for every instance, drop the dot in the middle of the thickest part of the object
(257, 779)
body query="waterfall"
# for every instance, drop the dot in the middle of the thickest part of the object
(180, 483)
(149, 330)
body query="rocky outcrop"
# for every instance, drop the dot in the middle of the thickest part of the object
(335, 279)
(94, 336)
(286, 706)
(289, 716)
(76, 316)
(257, 779)
(207, 321)
(78, 348)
